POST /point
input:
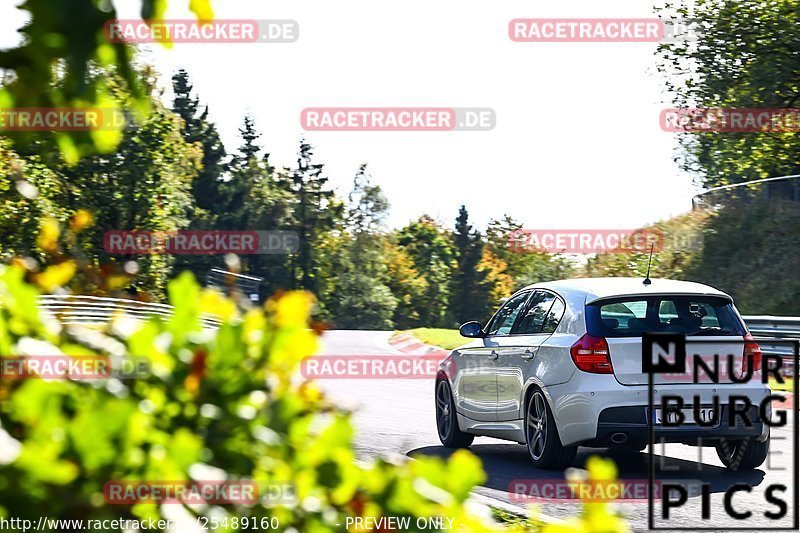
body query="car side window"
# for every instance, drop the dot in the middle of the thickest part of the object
(504, 320)
(554, 316)
(535, 313)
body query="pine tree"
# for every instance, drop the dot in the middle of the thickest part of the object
(315, 209)
(368, 206)
(470, 291)
(210, 198)
(248, 170)
(257, 202)
(250, 149)
(197, 128)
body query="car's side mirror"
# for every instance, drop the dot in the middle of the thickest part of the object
(471, 330)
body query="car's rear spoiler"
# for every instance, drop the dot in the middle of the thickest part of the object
(591, 299)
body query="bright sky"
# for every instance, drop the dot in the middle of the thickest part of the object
(577, 143)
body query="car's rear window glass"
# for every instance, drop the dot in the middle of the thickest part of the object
(688, 315)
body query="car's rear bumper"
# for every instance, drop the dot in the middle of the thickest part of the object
(592, 408)
(631, 425)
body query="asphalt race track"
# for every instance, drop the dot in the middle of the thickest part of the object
(396, 417)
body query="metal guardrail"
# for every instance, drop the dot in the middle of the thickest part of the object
(88, 310)
(786, 187)
(224, 281)
(765, 327)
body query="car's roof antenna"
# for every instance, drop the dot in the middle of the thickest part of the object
(649, 263)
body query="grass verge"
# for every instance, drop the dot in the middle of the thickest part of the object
(445, 338)
(511, 519)
(786, 386)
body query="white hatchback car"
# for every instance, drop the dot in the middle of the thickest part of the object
(560, 365)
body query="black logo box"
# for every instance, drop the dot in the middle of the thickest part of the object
(679, 366)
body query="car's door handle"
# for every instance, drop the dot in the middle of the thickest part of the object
(528, 353)
(493, 355)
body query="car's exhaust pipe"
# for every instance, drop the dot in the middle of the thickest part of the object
(619, 438)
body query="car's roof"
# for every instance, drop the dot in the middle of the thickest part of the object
(600, 288)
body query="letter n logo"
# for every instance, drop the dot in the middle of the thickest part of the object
(664, 353)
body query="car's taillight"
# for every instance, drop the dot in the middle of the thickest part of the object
(752, 350)
(590, 354)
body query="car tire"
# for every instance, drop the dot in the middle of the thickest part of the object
(746, 454)
(542, 438)
(446, 421)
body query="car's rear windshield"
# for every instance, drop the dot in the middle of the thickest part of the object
(688, 315)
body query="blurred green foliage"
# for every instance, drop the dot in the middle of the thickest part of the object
(224, 399)
(55, 66)
(596, 516)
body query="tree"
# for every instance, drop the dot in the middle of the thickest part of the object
(430, 248)
(498, 233)
(680, 246)
(751, 251)
(368, 206)
(210, 196)
(145, 185)
(257, 201)
(29, 192)
(250, 135)
(247, 169)
(197, 128)
(746, 56)
(360, 297)
(469, 287)
(499, 281)
(523, 266)
(407, 285)
(314, 211)
(361, 302)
